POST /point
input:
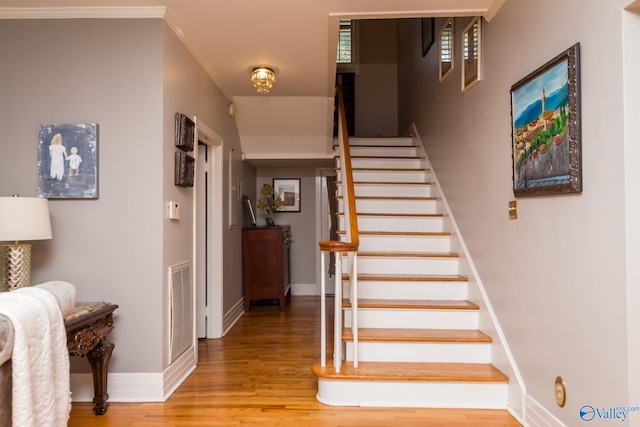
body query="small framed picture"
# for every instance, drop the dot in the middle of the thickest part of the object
(68, 161)
(471, 54)
(185, 132)
(288, 189)
(248, 208)
(184, 169)
(428, 36)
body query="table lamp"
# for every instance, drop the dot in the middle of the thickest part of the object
(21, 218)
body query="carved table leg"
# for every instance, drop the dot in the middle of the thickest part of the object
(99, 359)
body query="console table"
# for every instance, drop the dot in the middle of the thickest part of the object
(87, 328)
(265, 264)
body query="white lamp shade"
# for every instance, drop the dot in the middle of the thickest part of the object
(24, 218)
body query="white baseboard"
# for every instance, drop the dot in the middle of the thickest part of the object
(138, 387)
(232, 316)
(306, 289)
(536, 415)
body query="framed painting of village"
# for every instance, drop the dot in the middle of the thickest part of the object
(545, 120)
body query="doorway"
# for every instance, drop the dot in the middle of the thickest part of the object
(208, 233)
(323, 228)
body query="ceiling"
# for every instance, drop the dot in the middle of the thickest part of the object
(297, 38)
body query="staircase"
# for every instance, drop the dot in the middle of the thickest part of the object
(419, 343)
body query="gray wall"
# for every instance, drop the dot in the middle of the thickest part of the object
(556, 276)
(189, 90)
(130, 77)
(110, 248)
(376, 84)
(303, 223)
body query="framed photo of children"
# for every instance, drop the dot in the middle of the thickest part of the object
(545, 123)
(288, 189)
(68, 161)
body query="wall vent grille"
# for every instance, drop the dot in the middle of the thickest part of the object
(181, 308)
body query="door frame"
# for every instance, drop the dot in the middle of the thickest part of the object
(214, 287)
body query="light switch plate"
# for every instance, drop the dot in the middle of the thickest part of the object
(513, 209)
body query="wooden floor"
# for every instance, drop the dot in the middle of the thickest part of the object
(259, 374)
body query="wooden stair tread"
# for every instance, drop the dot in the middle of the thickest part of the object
(418, 335)
(406, 371)
(383, 146)
(413, 304)
(388, 183)
(388, 157)
(438, 215)
(409, 254)
(392, 198)
(408, 277)
(388, 169)
(402, 233)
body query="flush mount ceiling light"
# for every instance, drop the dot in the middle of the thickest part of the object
(263, 78)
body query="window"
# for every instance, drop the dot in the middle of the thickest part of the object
(345, 49)
(446, 49)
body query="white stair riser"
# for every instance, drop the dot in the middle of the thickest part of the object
(397, 151)
(392, 206)
(412, 394)
(388, 176)
(390, 223)
(423, 352)
(384, 163)
(355, 141)
(398, 265)
(391, 243)
(416, 319)
(410, 290)
(392, 190)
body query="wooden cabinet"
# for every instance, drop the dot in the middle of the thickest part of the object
(265, 264)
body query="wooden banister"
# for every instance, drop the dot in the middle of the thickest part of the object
(348, 246)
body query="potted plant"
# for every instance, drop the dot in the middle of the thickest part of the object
(269, 203)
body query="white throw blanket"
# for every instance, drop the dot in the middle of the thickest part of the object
(41, 390)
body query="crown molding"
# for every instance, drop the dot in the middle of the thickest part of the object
(81, 12)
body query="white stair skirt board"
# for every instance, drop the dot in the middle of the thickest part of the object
(415, 265)
(417, 319)
(429, 352)
(396, 223)
(411, 290)
(392, 243)
(412, 394)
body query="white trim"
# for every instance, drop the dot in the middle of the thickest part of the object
(517, 389)
(82, 12)
(304, 288)
(138, 387)
(537, 415)
(232, 316)
(214, 302)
